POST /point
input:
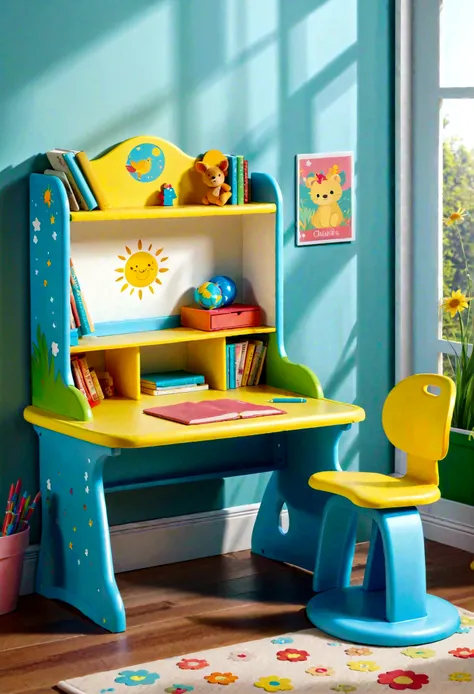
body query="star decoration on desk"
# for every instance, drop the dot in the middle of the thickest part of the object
(91, 522)
(48, 263)
(36, 224)
(87, 489)
(54, 235)
(70, 545)
(86, 476)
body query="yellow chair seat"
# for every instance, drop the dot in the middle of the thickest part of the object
(373, 490)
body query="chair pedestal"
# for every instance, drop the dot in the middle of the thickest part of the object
(392, 607)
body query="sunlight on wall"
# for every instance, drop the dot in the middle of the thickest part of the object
(319, 38)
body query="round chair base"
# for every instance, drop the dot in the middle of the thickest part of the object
(356, 615)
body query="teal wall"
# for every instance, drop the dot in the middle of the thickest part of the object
(268, 78)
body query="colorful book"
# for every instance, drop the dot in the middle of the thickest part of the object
(77, 377)
(232, 178)
(97, 385)
(93, 181)
(58, 162)
(73, 204)
(106, 383)
(87, 327)
(207, 411)
(248, 363)
(77, 320)
(255, 361)
(241, 365)
(237, 357)
(232, 366)
(82, 183)
(261, 364)
(246, 182)
(80, 381)
(174, 391)
(88, 380)
(227, 366)
(169, 379)
(240, 179)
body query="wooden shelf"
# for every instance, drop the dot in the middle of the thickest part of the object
(120, 423)
(160, 337)
(179, 212)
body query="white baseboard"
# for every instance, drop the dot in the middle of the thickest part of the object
(169, 540)
(450, 523)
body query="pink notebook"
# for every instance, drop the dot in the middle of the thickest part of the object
(208, 411)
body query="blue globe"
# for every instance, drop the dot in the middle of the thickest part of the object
(227, 287)
(208, 295)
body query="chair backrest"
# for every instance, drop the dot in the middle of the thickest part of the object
(417, 421)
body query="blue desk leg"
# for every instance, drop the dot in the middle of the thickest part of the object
(75, 562)
(305, 452)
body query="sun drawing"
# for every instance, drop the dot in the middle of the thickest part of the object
(48, 197)
(142, 269)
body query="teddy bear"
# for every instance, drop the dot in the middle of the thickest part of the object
(325, 192)
(214, 178)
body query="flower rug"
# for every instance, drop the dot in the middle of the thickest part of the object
(305, 661)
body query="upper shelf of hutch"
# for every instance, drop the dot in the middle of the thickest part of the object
(177, 212)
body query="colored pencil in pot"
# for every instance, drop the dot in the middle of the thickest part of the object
(8, 508)
(32, 507)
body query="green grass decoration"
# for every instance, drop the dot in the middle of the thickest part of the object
(48, 388)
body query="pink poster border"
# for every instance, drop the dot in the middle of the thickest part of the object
(324, 161)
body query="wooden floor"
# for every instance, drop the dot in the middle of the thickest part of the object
(182, 608)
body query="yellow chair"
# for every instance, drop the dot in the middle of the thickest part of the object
(392, 607)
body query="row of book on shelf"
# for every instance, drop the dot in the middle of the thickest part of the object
(84, 191)
(82, 186)
(94, 385)
(238, 179)
(245, 362)
(79, 316)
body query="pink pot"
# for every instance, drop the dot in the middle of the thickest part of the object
(12, 553)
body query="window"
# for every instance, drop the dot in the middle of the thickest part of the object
(443, 172)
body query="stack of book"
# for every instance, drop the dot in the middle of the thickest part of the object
(172, 382)
(95, 386)
(238, 179)
(245, 362)
(79, 316)
(82, 187)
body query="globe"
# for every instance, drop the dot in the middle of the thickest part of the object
(208, 295)
(227, 287)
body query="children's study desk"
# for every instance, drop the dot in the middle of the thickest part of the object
(137, 329)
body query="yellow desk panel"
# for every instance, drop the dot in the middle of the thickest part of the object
(120, 423)
(180, 211)
(160, 337)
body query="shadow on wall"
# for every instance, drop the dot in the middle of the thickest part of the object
(220, 74)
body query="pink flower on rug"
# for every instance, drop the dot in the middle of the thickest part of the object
(192, 664)
(462, 653)
(241, 656)
(403, 679)
(320, 671)
(293, 655)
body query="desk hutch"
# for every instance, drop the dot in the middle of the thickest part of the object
(140, 330)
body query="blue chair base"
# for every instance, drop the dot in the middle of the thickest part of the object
(392, 607)
(353, 614)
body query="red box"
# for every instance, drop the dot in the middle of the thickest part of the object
(226, 318)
